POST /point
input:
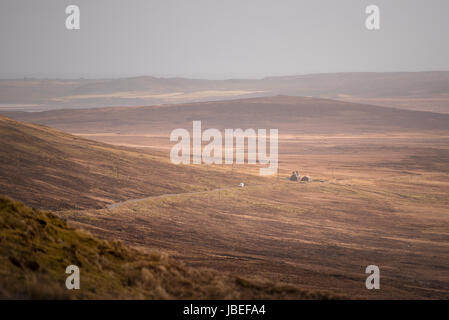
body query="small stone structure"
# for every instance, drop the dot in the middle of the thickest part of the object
(294, 176)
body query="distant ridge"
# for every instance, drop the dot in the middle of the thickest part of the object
(304, 115)
(425, 91)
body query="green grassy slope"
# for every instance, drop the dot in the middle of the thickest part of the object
(36, 247)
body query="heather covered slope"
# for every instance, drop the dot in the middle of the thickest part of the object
(49, 169)
(36, 247)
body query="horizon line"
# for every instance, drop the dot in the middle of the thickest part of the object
(23, 78)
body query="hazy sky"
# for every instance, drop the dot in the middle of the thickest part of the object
(220, 39)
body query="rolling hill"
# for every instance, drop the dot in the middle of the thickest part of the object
(291, 115)
(425, 91)
(49, 169)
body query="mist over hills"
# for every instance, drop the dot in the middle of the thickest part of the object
(427, 91)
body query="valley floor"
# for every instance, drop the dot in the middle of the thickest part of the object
(375, 199)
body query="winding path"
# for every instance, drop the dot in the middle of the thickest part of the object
(118, 204)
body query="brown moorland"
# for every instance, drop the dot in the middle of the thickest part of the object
(49, 169)
(291, 115)
(374, 199)
(379, 194)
